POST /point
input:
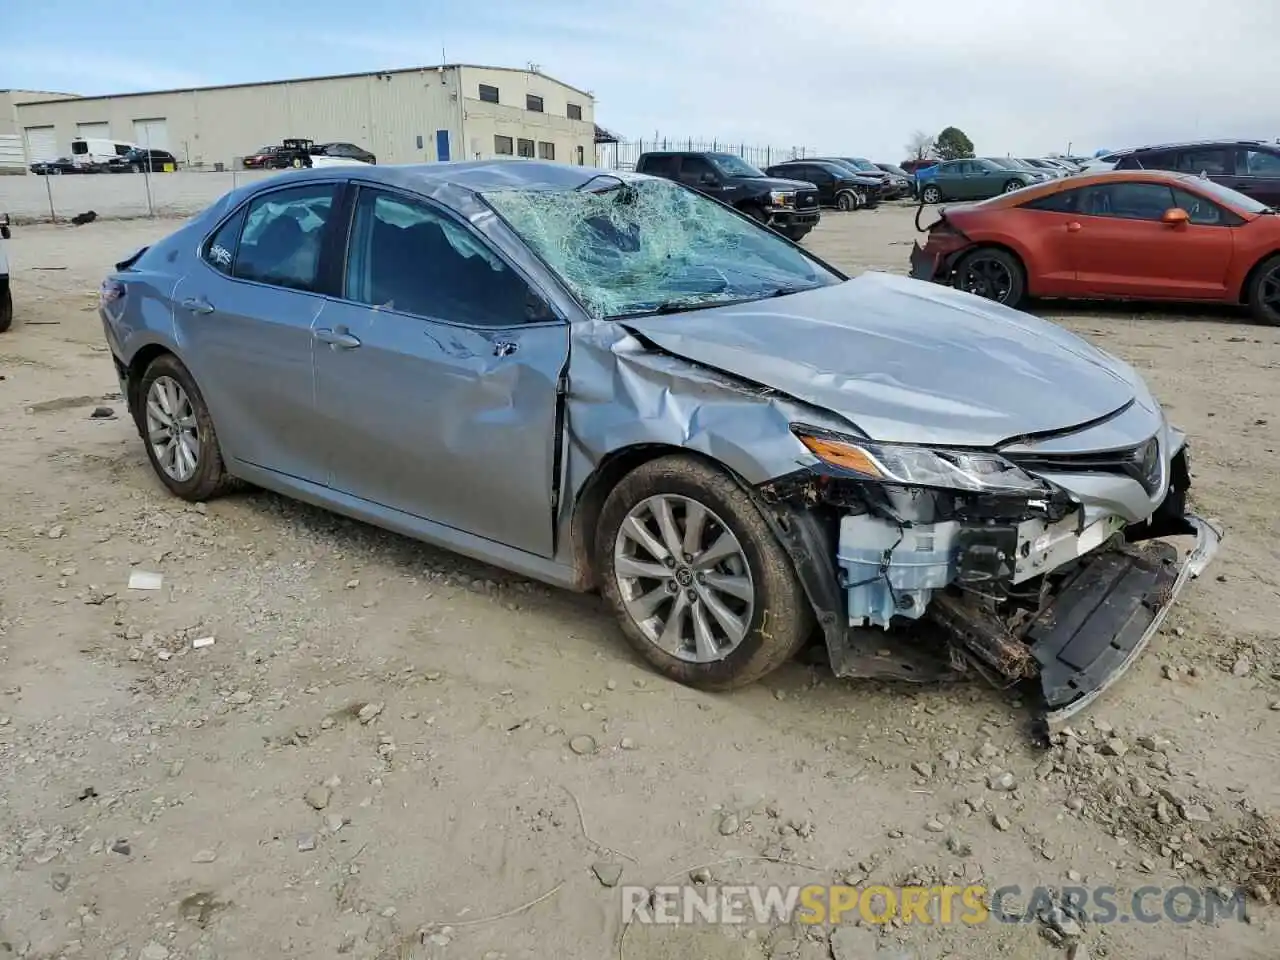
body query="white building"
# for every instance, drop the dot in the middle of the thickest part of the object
(449, 112)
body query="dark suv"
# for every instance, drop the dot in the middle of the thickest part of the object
(789, 206)
(839, 185)
(1250, 166)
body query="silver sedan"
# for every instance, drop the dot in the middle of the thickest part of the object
(608, 381)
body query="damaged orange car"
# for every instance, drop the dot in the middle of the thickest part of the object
(1115, 235)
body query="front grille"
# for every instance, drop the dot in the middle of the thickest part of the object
(1143, 462)
(806, 199)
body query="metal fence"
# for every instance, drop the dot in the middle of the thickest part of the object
(623, 154)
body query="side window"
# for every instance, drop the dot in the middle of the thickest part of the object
(546, 151)
(220, 249)
(489, 94)
(525, 148)
(1128, 201)
(659, 165)
(818, 175)
(1067, 201)
(1212, 162)
(1202, 210)
(283, 232)
(692, 169)
(503, 146)
(407, 257)
(1257, 163)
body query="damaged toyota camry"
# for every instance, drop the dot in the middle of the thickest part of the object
(610, 382)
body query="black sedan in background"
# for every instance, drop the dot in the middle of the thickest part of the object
(43, 168)
(142, 160)
(348, 151)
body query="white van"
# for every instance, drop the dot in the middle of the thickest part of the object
(93, 153)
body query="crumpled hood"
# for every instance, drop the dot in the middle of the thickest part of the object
(907, 361)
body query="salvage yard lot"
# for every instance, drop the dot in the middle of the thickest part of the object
(235, 801)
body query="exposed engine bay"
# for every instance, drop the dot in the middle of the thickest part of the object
(921, 584)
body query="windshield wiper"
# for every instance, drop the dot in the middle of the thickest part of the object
(687, 306)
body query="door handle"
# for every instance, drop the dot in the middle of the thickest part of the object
(337, 338)
(1073, 226)
(197, 305)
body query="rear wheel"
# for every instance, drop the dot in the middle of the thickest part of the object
(1013, 185)
(931, 194)
(701, 587)
(178, 432)
(1264, 292)
(993, 274)
(847, 200)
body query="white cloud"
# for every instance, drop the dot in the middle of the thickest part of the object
(1020, 76)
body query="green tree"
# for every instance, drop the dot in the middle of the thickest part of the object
(952, 144)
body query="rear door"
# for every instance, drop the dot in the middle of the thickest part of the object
(437, 376)
(1123, 249)
(244, 320)
(1256, 173)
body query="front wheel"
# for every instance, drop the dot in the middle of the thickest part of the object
(1264, 293)
(931, 194)
(993, 274)
(181, 442)
(1013, 185)
(6, 309)
(700, 586)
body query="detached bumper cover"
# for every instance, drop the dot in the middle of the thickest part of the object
(924, 266)
(1103, 620)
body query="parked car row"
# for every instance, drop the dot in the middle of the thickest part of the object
(1249, 166)
(299, 152)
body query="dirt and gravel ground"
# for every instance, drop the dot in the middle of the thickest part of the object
(373, 757)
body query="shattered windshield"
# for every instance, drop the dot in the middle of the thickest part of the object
(734, 166)
(652, 246)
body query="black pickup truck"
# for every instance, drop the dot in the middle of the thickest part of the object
(789, 206)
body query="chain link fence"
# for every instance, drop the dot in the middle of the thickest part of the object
(623, 154)
(60, 197)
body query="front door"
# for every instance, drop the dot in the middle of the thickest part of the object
(697, 173)
(245, 316)
(1122, 248)
(436, 376)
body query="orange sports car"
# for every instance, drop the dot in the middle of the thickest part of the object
(1124, 235)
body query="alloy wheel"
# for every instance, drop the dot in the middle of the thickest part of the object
(684, 578)
(1011, 186)
(932, 195)
(172, 430)
(987, 277)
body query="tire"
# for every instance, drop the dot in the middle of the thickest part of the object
(796, 234)
(770, 627)
(1013, 185)
(1264, 283)
(209, 479)
(6, 309)
(134, 168)
(297, 163)
(931, 194)
(847, 200)
(993, 274)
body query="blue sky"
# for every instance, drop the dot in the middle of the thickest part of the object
(844, 76)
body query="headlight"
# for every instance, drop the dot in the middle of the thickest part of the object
(969, 470)
(782, 198)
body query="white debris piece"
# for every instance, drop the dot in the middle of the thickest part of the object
(142, 580)
(199, 642)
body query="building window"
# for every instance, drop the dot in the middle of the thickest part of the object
(525, 148)
(573, 111)
(532, 103)
(582, 156)
(546, 151)
(503, 146)
(488, 94)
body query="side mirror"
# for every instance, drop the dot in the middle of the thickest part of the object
(709, 179)
(1175, 216)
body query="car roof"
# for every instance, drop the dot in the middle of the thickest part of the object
(1200, 143)
(1078, 180)
(467, 176)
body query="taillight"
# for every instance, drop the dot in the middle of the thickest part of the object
(110, 291)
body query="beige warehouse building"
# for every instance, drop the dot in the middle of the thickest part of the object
(450, 112)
